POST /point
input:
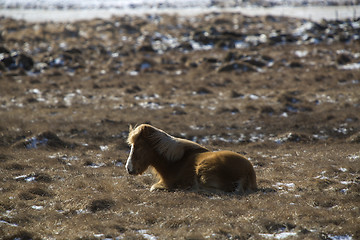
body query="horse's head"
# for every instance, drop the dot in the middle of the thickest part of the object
(140, 154)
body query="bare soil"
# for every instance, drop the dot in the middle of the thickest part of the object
(284, 92)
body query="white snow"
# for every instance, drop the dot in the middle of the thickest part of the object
(282, 235)
(353, 157)
(340, 237)
(346, 182)
(350, 66)
(37, 207)
(104, 148)
(301, 53)
(281, 186)
(71, 10)
(11, 224)
(146, 235)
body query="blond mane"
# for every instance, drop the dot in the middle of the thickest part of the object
(172, 148)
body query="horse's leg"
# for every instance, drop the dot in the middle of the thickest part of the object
(208, 182)
(240, 187)
(158, 186)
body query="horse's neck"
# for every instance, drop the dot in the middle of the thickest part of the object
(162, 166)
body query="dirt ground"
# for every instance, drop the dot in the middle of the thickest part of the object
(284, 92)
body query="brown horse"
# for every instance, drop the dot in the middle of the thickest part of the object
(183, 164)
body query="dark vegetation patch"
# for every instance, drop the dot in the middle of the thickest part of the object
(101, 204)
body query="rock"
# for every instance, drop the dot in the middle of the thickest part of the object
(202, 91)
(40, 192)
(235, 94)
(4, 50)
(231, 56)
(129, 29)
(44, 139)
(267, 110)
(233, 110)
(295, 65)
(185, 46)
(25, 62)
(343, 59)
(293, 137)
(9, 63)
(133, 89)
(2, 67)
(238, 66)
(146, 48)
(355, 138)
(178, 111)
(74, 51)
(202, 37)
(289, 98)
(257, 63)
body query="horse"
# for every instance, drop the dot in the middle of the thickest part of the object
(181, 164)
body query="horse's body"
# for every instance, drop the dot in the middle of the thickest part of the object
(183, 164)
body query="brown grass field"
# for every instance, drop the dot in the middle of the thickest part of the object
(284, 92)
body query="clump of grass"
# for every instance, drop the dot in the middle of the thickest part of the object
(23, 235)
(101, 204)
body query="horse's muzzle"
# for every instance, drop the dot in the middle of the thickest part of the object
(131, 171)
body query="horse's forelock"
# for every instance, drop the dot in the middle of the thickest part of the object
(134, 133)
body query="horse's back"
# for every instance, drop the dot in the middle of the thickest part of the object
(226, 170)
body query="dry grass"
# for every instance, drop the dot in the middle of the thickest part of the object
(64, 197)
(296, 119)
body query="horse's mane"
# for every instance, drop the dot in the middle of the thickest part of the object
(172, 148)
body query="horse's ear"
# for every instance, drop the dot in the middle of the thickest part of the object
(130, 128)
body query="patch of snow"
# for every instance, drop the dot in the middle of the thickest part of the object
(10, 224)
(340, 237)
(27, 178)
(350, 66)
(37, 207)
(353, 157)
(68, 99)
(99, 235)
(133, 73)
(304, 28)
(344, 191)
(94, 165)
(34, 142)
(104, 148)
(81, 211)
(119, 164)
(321, 176)
(284, 114)
(146, 235)
(320, 136)
(30, 179)
(253, 97)
(21, 176)
(301, 54)
(346, 182)
(151, 105)
(282, 235)
(35, 91)
(198, 46)
(281, 186)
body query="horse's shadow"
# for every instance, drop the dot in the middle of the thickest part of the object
(209, 193)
